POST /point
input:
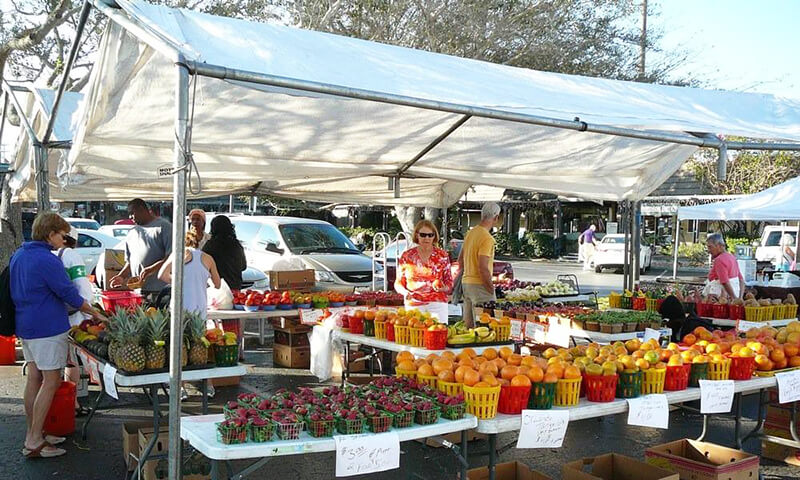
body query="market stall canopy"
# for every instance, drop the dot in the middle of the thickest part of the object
(781, 202)
(310, 143)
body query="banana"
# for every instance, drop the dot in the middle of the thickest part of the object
(462, 339)
(482, 331)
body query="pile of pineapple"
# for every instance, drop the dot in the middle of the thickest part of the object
(139, 339)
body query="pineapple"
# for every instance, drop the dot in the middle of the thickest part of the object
(131, 354)
(198, 345)
(156, 334)
(120, 316)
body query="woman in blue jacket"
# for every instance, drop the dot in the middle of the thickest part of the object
(41, 291)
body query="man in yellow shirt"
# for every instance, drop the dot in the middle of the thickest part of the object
(476, 262)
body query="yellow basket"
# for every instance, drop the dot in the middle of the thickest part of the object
(482, 401)
(402, 334)
(790, 312)
(719, 370)
(568, 392)
(451, 389)
(769, 313)
(651, 304)
(615, 300)
(410, 374)
(653, 380)
(754, 314)
(380, 330)
(502, 332)
(429, 380)
(778, 312)
(417, 337)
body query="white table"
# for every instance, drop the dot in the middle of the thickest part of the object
(600, 337)
(200, 432)
(397, 347)
(242, 315)
(584, 297)
(726, 322)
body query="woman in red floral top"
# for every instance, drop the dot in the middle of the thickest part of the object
(423, 273)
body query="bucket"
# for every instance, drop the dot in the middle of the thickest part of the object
(60, 419)
(8, 350)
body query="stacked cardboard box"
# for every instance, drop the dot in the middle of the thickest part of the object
(291, 348)
(703, 461)
(776, 424)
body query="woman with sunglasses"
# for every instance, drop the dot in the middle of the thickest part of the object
(423, 273)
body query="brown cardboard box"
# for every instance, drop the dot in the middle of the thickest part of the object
(291, 357)
(353, 367)
(302, 280)
(114, 262)
(612, 466)
(292, 336)
(703, 461)
(776, 451)
(130, 440)
(456, 438)
(149, 469)
(225, 381)
(780, 416)
(507, 471)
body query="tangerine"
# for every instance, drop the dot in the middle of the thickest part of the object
(556, 369)
(514, 359)
(509, 371)
(471, 377)
(449, 355)
(407, 365)
(481, 385)
(441, 365)
(425, 370)
(489, 367)
(505, 352)
(447, 376)
(469, 352)
(536, 374)
(520, 381)
(431, 358)
(499, 362)
(403, 356)
(490, 354)
(528, 361)
(489, 379)
(459, 374)
(572, 372)
(550, 377)
(466, 362)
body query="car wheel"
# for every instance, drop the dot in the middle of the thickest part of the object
(598, 269)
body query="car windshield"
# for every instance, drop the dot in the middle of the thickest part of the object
(87, 224)
(774, 238)
(608, 239)
(302, 238)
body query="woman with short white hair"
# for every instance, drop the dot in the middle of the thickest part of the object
(785, 259)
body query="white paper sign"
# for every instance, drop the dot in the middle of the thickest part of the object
(535, 332)
(651, 333)
(649, 411)
(788, 386)
(109, 381)
(310, 316)
(558, 335)
(516, 329)
(716, 396)
(743, 325)
(543, 428)
(358, 454)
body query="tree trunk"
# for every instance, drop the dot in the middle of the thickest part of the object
(10, 224)
(408, 217)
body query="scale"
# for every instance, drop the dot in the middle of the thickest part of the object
(784, 280)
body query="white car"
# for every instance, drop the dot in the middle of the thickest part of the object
(85, 223)
(610, 253)
(116, 231)
(92, 244)
(770, 245)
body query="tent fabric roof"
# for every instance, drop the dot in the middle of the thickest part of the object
(777, 203)
(257, 138)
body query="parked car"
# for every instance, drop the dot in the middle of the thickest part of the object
(501, 270)
(610, 253)
(116, 231)
(275, 243)
(85, 223)
(92, 245)
(770, 245)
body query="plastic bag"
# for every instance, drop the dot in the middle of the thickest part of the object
(220, 298)
(322, 352)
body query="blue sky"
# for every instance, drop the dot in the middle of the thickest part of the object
(741, 45)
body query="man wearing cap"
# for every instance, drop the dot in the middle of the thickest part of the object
(197, 221)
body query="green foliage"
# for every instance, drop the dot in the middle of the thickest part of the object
(352, 234)
(732, 242)
(695, 252)
(537, 245)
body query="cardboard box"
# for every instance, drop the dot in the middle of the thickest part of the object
(114, 263)
(293, 335)
(776, 451)
(302, 280)
(456, 438)
(703, 461)
(354, 366)
(130, 440)
(507, 471)
(225, 381)
(291, 357)
(781, 415)
(612, 466)
(161, 446)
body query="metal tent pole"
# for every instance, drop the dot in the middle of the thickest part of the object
(625, 256)
(176, 300)
(637, 242)
(677, 229)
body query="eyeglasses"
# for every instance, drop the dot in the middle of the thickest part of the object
(426, 235)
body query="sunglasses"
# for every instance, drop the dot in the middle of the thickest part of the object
(426, 235)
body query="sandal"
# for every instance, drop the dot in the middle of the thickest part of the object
(81, 412)
(40, 452)
(53, 440)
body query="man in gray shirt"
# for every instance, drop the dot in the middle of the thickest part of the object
(147, 246)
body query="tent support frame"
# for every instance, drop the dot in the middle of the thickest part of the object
(433, 144)
(677, 229)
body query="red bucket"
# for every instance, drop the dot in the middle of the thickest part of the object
(639, 303)
(8, 350)
(719, 310)
(435, 339)
(356, 325)
(736, 312)
(513, 399)
(677, 377)
(60, 418)
(742, 368)
(113, 299)
(704, 310)
(601, 388)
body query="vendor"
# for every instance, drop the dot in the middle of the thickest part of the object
(785, 260)
(724, 276)
(423, 273)
(678, 321)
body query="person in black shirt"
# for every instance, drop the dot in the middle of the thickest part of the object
(673, 311)
(226, 251)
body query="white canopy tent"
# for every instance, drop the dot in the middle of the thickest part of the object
(323, 117)
(781, 202)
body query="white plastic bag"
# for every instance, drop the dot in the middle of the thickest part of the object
(322, 353)
(220, 298)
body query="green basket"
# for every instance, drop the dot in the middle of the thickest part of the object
(320, 428)
(260, 433)
(288, 431)
(369, 328)
(629, 385)
(698, 372)
(231, 435)
(453, 412)
(403, 419)
(426, 417)
(626, 302)
(380, 423)
(226, 355)
(542, 396)
(349, 427)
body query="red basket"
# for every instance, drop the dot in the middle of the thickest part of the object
(436, 339)
(742, 368)
(704, 309)
(719, 310)
(677, 377)
(639, 303)
(583, 384)
(390, 331)
(113, 299)
(736, 312)
(8, 350)
(513, 399)
(601, 388)
(357, 325)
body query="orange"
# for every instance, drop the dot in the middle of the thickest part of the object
(505, 352)
(441, 365)
(471, 377)
(425, 370)
(490, 379)
(556, 369)
(794, 361)
(369, 314)
(420, 362)
(481, 385)
(470, 352)
(449, 355)
(536, 374)
(431, 358)
(489, 367)
(523, 369)
(499, 362)
(572, 372)
(782, 364)
(509, 371)
(407, 365)
(777, 355)
(462, 356)
(402, 356)
(490, 354)
(791, 350)
(689, 339)
(520, 381)
(447, 376)
(466, 362)
(528, 361)
(550, 377)
(514, 359)
(459, 374)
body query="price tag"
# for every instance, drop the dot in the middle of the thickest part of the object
(788, 386)
(516, 329)
(535, 332)
(651, 333)
(359, 454)
(558, 335)
(310, 316)
(543, 428)
(649, 411)
(743, 325)
(716, 396)
(109, 381)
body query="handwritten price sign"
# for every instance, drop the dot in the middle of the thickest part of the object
(788, 386)
(649, 411)
(651, 333)
(543, 429)
(110, 381)
(516, 329)
(535, 332)
(716, 396)
(558, 335)
(359, 454)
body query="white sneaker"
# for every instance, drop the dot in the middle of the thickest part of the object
(184, 394)
(210, 391)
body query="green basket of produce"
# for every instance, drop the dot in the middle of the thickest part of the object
(453, 412)
(629, 384)
(260, 430)
(542, 396)
(321, 428)
(226, 355)
(698, 372)
(369, 328)
(379, 423)
(350, 426)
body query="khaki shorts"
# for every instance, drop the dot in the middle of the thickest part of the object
(474, 295)
(48, 353)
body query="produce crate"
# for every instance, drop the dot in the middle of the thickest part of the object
(453, 412)
(390, 332)
(450, 389)
(429, 380)
(736, 312)
(482, 401)
(114, 299)
(601, 388)
(542, 396)
(755, 314)
(417, 337)
(513, 399)
(410, 374)
(435, 340)
(704, 309)
(719, 370)
(426, 417)
(625, 302)
(677, 377)
(653, 380)
(742, 368)
(369, 328)
(380, 423)
(629, 384)
(699, 371)
(260, 433)
(503, 332)
(231, 435)
(568, 392)
(615, 300)
(320, 428)
(380, 330)
(639, 303)
(402, 334)
(790, 312)
(349, 426)
(778, 312)
(226, 355)
(653, 304)
(288, 431)
(719, 310)
(769, 312)
(402, 419)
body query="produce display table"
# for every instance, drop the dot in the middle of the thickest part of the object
(726, 322)
(200, 432)
(581, 297)
(600, 337)
(149, 382)
(585, 409)
(262, 316)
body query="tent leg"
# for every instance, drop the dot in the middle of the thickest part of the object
(636, 242)
(625, 245)
(677, 229)
(181, 146)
